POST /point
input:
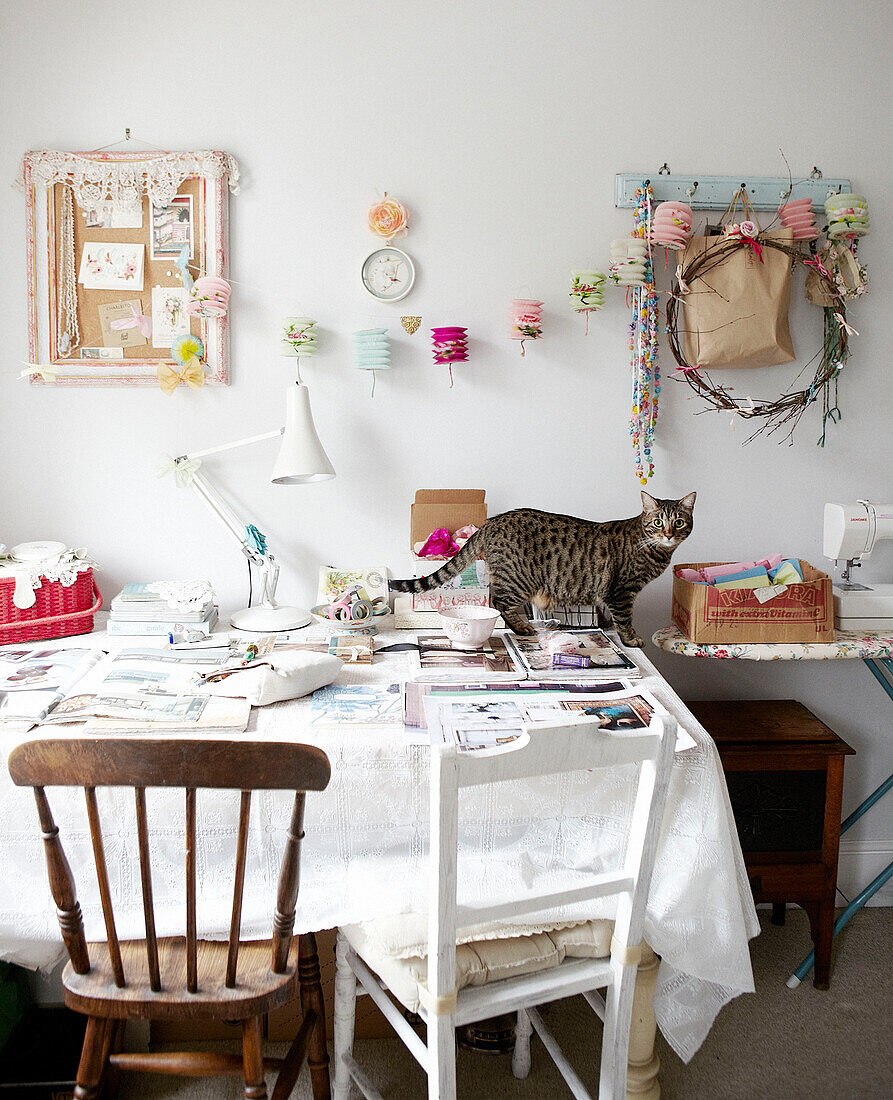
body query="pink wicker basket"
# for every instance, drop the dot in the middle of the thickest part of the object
(57, 613)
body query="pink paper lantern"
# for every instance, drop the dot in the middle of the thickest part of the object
(799, 217)
(209, 297)
(525, 320)
(671, 224)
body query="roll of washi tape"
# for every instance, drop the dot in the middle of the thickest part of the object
(380, 605)
(360, 610)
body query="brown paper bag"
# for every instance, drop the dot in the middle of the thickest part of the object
(736, 314)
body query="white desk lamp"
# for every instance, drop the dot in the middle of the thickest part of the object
(301, 460)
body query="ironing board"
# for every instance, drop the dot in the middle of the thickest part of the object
(875, 649)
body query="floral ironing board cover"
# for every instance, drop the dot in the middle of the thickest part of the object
(846, 644)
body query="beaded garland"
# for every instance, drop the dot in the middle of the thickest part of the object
(643, 348)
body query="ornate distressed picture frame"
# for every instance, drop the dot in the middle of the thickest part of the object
(134, 204)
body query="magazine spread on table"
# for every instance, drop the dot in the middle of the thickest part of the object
(437, 659)
(33, 679)
(604, 658)
(139, 689)
(497, 718)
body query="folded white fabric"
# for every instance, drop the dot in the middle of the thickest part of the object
(277, 676)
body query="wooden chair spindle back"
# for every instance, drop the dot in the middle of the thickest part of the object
(138, 763)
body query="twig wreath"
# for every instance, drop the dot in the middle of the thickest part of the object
(788, 407)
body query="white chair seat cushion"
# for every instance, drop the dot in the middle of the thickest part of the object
(480, 961)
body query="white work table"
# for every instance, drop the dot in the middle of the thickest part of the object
(366, 849)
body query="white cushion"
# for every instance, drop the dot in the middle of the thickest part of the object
(293, 673)
(480, 961)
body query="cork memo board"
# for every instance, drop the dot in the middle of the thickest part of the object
(159, 272)
(103, 355)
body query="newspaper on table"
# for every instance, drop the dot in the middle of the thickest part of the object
(499, 718)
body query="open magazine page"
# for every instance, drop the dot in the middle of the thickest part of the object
(473, 724)
(378, 705)
(523, 690)
(33, 678)
(145, 686)
(606, 660)
(493, 719)
(437, 660)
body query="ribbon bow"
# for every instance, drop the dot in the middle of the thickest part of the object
(138, 320)
(820, 267)
(182, 262)
(192, 374)
(47, 371)
(847, 328)
(684, 288)
(183, 469)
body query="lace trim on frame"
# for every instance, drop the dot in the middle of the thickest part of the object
(126, 181)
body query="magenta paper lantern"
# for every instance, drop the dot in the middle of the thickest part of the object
(449, 345)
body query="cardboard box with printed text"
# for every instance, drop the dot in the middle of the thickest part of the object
(715, 616)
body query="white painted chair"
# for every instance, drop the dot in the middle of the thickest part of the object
(444, 996)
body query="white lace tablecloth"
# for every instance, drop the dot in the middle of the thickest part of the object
(852, 644)
(365, 852)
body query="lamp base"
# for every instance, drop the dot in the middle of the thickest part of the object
(266, 619)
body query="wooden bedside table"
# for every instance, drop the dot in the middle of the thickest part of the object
(784, 771)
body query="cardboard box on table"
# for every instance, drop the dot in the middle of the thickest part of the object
(452, 509)
(717, 616)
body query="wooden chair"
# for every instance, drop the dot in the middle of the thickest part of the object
(444, 998)
(182, 977)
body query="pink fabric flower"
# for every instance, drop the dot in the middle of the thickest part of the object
(387, 218)
(748, 229)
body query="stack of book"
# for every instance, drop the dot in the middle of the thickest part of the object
(163, 607)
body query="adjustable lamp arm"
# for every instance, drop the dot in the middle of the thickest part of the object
(215, 501)
(249, 540)
(301, 460)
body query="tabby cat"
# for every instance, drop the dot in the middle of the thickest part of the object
(559, 561)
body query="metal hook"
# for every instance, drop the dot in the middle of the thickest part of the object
(816, 173)
(127, 134)
(664, 168)
(690, 192)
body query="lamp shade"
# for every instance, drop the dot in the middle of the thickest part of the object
(301, 456)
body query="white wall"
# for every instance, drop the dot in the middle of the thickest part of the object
(501, 126)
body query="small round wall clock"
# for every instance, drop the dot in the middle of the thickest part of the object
(388, 274)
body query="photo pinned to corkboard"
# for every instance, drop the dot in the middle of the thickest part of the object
(108, 234)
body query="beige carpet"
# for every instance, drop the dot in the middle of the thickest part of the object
(777, 1044)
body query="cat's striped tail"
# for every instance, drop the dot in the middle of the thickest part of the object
(469, 553)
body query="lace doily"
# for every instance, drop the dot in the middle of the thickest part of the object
(183, 595)
(125, 181)
(65, 569)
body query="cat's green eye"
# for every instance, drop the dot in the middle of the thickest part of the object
(679, 523)
(658, 521)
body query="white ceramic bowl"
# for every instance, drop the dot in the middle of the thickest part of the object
(468, 627)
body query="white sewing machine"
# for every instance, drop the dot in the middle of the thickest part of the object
(850, 534)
